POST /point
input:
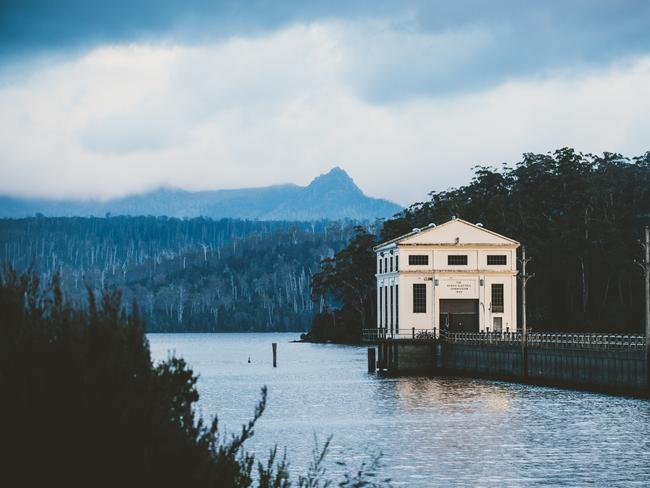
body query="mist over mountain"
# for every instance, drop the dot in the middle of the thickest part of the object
(332, 195)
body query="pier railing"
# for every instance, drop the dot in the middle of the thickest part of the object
(373, 335)
(501, 338)
(585, 340)
(533, 339)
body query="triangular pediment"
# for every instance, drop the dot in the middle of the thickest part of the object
(455, 232)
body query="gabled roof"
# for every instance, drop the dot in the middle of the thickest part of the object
(447, 233)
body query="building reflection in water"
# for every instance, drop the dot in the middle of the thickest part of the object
(451, 395)
(443, 427)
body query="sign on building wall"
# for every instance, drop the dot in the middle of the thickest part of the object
(458, 288)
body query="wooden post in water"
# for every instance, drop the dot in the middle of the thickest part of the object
(372, 363)
(275, 354)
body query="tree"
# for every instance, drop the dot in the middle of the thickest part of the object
(347, 279)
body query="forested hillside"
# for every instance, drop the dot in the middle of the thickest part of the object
(580, 216)
(186, 275)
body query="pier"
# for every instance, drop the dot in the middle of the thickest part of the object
(613, 363)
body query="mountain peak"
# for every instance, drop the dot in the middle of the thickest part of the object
(337, 171)
(335, 179)
(332, 195)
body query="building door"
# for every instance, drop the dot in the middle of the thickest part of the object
(459, 315)
(498, 324)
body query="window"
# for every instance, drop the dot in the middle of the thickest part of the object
(497, 297)
(391, 264)
(419, 298)
(457, 260)
(382, 317)
(380, 267)
(386, 306)
(391, 308)
(396, 263)
(497, 260)
(419, 259)
(385, 265)
(379, 313)
(498, 324)
(397, 308)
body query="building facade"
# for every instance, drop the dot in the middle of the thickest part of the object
(457, 276)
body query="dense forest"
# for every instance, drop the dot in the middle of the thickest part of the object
(580, 216)
(187, 275)
(83, 405)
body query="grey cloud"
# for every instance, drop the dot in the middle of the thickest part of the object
(520, 39)
(475, 45)
(28, 26)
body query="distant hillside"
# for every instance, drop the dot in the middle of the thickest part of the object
(189, 275)
(333, 195)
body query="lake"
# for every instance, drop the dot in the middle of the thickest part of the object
(430, 431)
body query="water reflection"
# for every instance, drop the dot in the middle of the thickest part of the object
(432, 431)
(449, 394)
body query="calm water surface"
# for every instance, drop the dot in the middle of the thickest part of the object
(431, 431)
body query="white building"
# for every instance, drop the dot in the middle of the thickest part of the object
(456, 275)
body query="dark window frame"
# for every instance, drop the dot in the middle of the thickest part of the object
(419, 298)
(391, 308)
(497, 295)
(386, 306)
(397, 308)
(381, 303)
(456, 259)
(497, 260)
(418, 260)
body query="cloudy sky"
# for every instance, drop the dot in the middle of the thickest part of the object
(125, 96)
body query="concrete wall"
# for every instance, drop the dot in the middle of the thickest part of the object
(404, 357)
(415, 356)
(408, 319)
(622, 371)
(619, 370)
(501, 361)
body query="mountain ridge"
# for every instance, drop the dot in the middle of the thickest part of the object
(331, 195)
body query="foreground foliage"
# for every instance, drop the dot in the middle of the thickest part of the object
(580, 216)
(82, 404)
